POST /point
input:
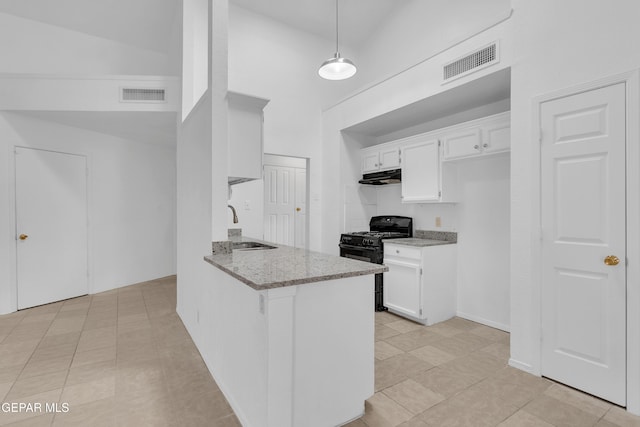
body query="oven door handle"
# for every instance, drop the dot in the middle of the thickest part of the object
(358, 248)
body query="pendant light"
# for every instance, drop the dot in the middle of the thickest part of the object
(337, 68)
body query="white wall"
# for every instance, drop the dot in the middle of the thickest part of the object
(248, 199)
(277, 62)
(194, 200)
(423, 214)
(418, 30)
(555, 44)
(202, 190)
(132, 202)
(36, 48)
(484, 240)
(195, 37)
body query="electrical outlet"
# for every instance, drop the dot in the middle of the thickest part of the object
(261, 304)
(247, 205)
(438, 222)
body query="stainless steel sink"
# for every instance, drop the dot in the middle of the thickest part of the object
(251, 246)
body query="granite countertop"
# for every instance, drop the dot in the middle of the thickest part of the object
(287, 266)
(417, 242)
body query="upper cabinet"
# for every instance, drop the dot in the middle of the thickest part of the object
(480, 137)
(245, 137)
(421, 170)
(429, 172)
(380, 158)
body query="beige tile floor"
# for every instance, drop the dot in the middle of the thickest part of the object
(123, 358)
(119, 358)
(455, 374)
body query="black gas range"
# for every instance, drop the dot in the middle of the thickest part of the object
(368, 245)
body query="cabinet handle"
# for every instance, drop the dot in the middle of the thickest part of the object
(476, 146)
(485, 145)
(397, 251)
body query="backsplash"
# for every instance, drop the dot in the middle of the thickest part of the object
(447, 236)
(234, 232)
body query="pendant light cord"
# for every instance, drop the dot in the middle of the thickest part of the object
(337, 26)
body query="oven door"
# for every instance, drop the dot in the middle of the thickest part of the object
(361, 253)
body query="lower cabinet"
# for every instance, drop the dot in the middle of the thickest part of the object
(421, 282)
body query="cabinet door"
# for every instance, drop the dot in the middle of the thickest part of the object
(370, 162)
(401, 292)
(245, 136)
(497, 138)
(389, 158)
(421, 172)
(461, 144)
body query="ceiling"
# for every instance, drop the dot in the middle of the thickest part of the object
(146, 24)
(358, 18)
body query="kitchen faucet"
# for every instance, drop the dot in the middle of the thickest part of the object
(235, 215)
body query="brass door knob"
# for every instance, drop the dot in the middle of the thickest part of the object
(298, 209)
(612, 260)
(23, 237)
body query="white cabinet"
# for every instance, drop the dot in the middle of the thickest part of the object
(421, 170)
(245, 137)
(380, 158)
(421, 282)
(476, 138)
(496, 134)
(462, 143)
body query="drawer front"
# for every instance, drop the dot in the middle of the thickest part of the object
(401, 251)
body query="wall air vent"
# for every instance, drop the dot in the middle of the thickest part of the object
(471, 63)
(129, 94)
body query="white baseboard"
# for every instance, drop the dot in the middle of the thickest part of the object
(483, 321)
(521, 365)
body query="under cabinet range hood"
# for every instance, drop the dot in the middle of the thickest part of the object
(393, 176)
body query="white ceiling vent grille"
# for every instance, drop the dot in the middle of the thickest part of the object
(128, 94)
(472, 62)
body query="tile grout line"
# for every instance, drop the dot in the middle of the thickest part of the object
(34, 350)
(66, 378)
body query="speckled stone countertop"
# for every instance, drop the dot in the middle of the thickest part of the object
(288, 266)
(414, 241)
(427, 238)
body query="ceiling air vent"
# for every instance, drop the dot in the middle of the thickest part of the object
(472, 62)
(128, 94)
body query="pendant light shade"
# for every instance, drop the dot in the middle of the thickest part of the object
(337, 68)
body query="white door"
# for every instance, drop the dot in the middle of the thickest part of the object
(583, 228)
(51, 226)
(279, 204)
(301, 208)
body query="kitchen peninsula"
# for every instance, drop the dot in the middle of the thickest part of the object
(298, 343)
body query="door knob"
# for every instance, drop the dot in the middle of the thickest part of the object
(298, 209)
(612, 260)
(23, 237)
